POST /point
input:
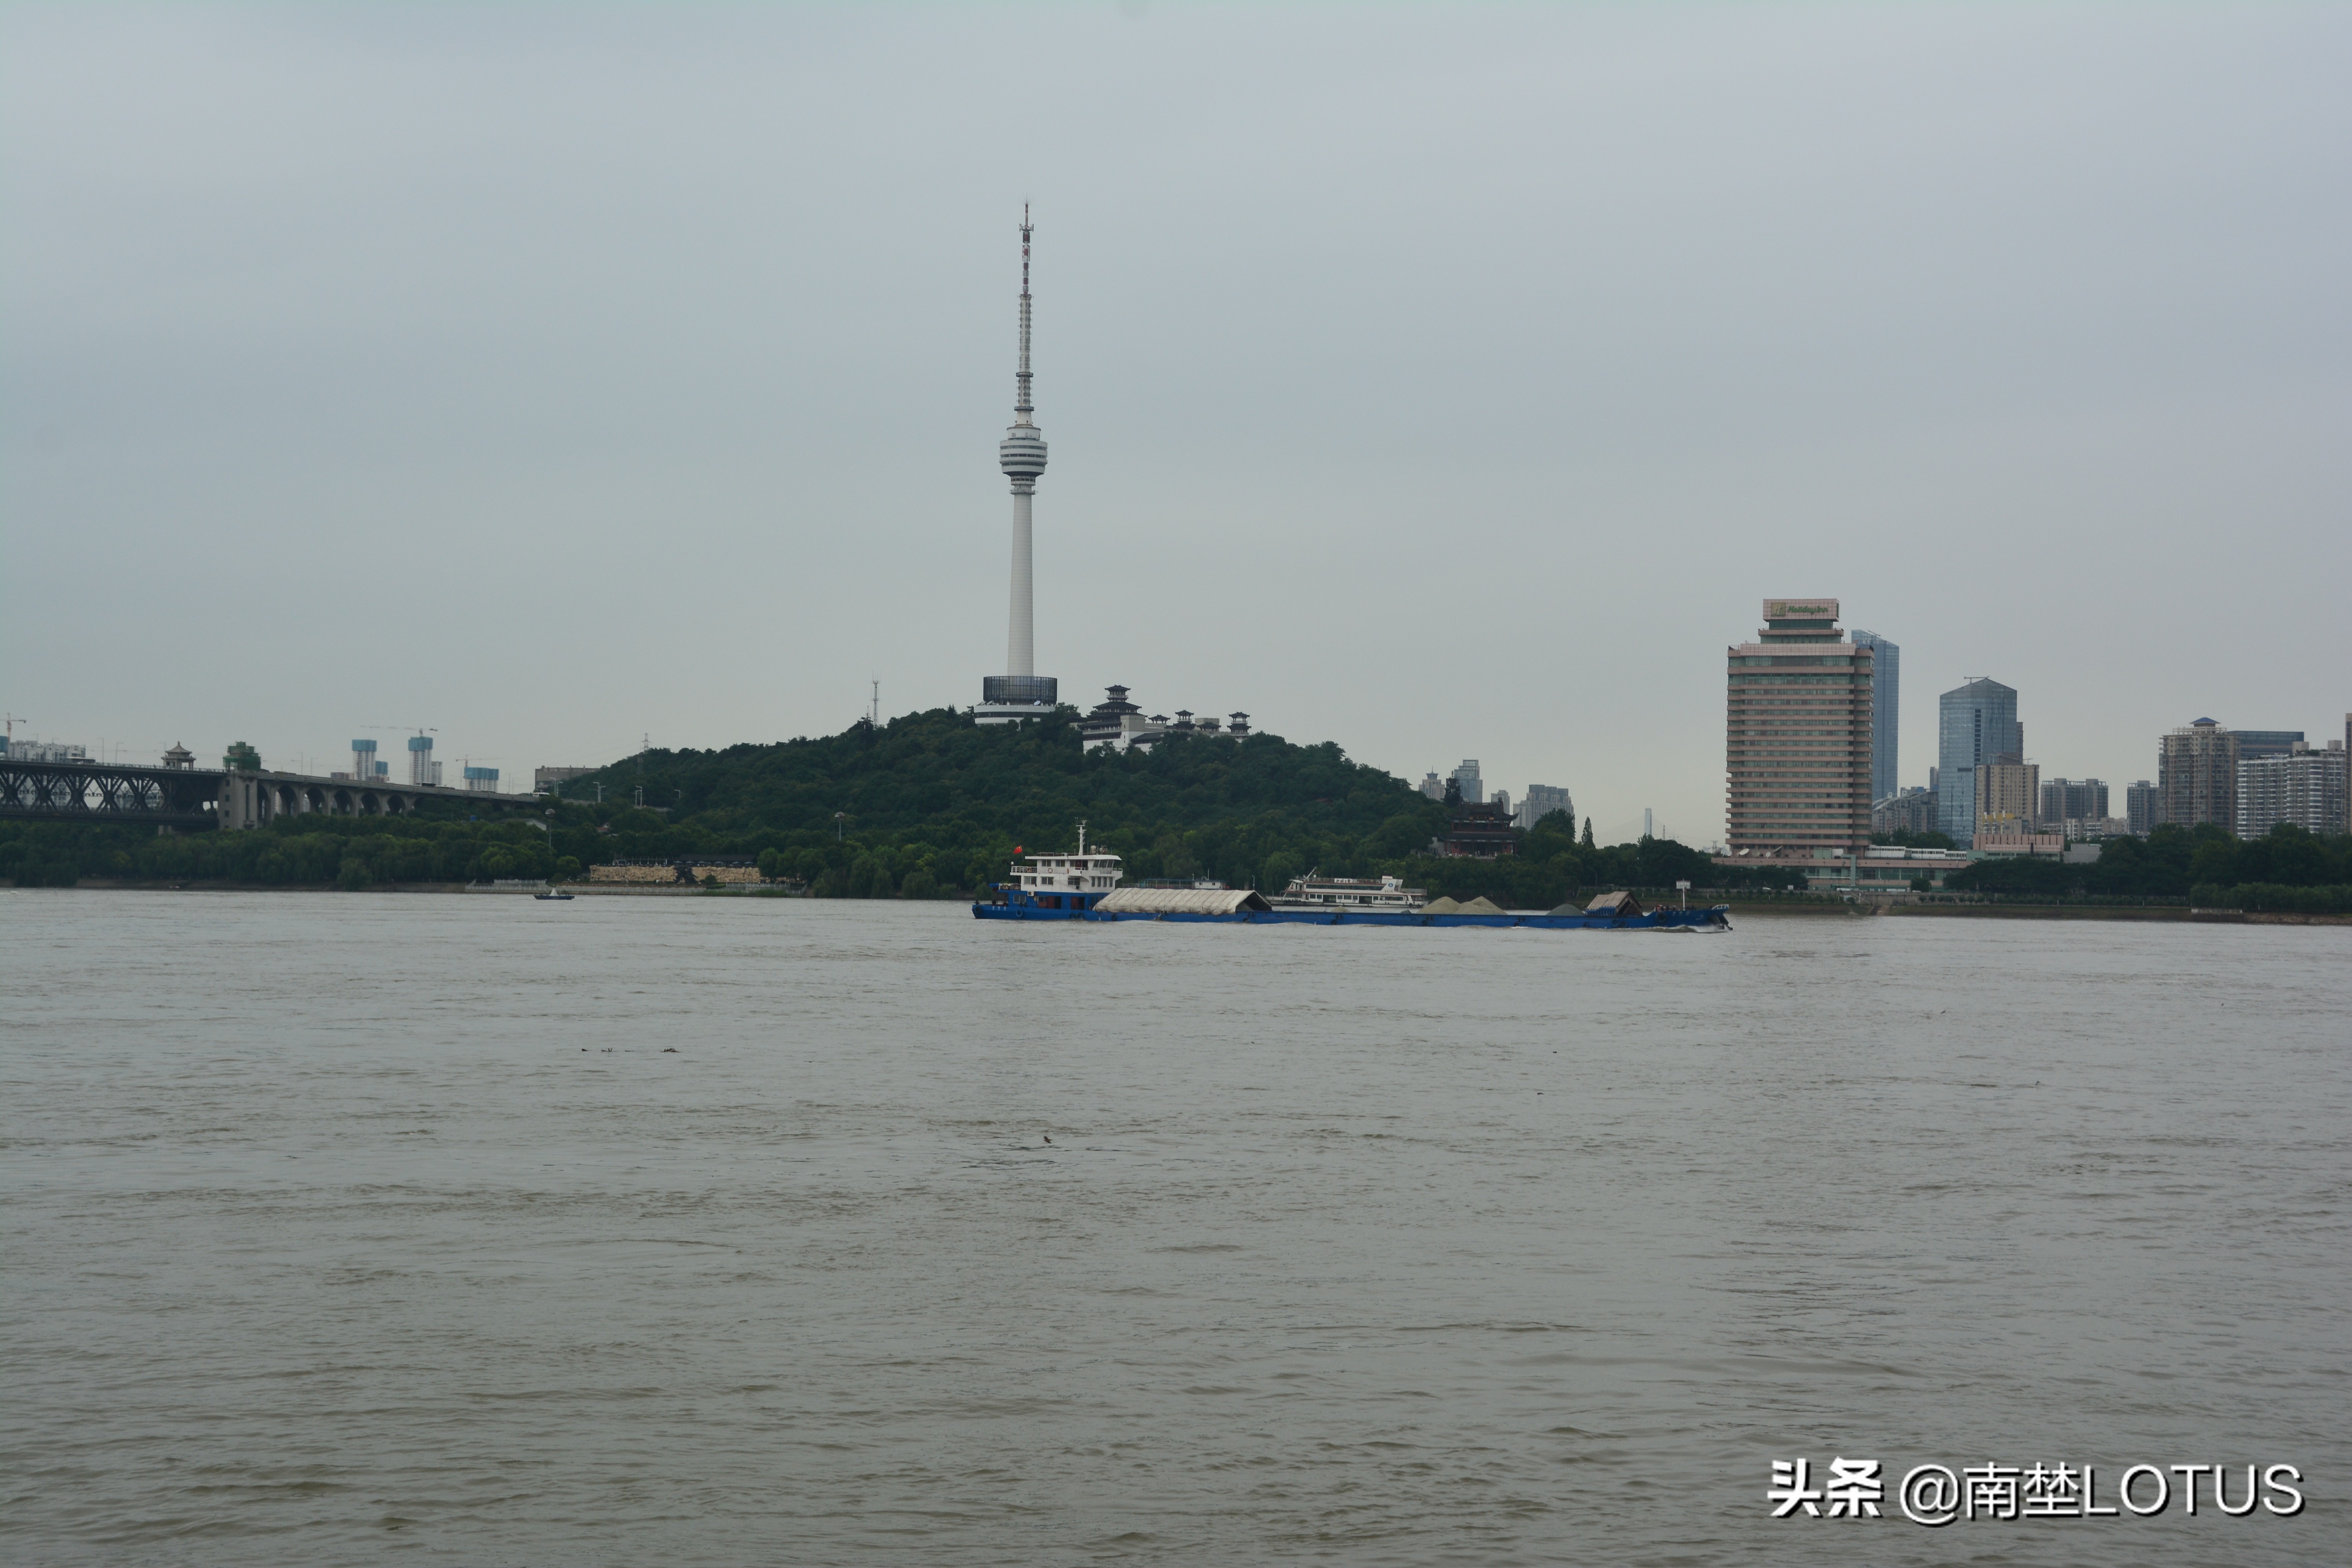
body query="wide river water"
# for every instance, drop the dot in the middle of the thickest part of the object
(342, 1228)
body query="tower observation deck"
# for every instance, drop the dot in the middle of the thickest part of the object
(1019, 692)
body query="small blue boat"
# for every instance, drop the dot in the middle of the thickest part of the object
(1084, 887)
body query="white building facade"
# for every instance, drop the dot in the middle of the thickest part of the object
(2305, 787)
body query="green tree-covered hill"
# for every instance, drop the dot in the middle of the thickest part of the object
(936, 796)
(932, 800)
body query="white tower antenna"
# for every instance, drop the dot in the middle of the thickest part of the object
(1022, 456)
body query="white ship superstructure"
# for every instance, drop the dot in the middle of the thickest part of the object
(1071, 882)
(1311, 891)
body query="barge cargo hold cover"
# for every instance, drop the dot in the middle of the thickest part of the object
(1183, 901)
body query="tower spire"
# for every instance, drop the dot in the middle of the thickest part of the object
(1021, 407)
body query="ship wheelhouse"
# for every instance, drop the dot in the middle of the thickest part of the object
(1064, 884)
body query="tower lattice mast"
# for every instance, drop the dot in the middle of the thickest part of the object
(1022, 407)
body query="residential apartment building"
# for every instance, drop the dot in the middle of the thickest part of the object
(29, 751)
(1905, 811)
(1885, 707)
(2008, 795)
(2266, 743)
(2305, 787)
(1976, 725)
(2141, 807)
(1798, 733)
(2072, 800)
(2197, 775)
(1541, 801)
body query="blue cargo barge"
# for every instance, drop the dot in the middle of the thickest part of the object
(1084, 887)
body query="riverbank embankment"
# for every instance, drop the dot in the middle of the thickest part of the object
(2175, 914)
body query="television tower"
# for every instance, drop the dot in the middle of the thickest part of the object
(1018, 693)
(1022, 456)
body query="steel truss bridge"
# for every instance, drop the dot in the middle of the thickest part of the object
(101, 792)
(112, 793)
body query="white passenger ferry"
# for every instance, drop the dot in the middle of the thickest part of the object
(1314, 892)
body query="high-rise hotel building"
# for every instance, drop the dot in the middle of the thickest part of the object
(1798, 743)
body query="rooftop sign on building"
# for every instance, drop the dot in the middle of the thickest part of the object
(1800, 609)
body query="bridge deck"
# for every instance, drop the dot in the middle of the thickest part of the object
(207, 798)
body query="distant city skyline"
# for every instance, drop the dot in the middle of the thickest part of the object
(554, 377)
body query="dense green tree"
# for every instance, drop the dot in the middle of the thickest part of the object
(1275, 873)
(869, 878)
(309, 849)
(2174, 862)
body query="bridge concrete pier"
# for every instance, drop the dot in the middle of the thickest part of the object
(255, 800)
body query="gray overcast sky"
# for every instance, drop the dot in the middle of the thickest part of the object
(1441, 382)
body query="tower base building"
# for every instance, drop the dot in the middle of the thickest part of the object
(1009, 699)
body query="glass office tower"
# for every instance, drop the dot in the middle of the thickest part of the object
(1884, 707)
(1976, 725)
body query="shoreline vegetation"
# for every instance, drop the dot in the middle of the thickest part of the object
(931, 805)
